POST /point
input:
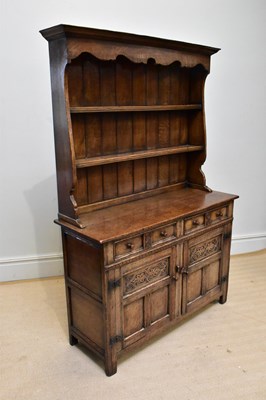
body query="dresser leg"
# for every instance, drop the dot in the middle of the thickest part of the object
(73, 340)
(110, 363)
(223, 298)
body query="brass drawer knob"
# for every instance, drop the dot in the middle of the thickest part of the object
(219, 214)
(195, 222)
(130, 246)
(163, 233)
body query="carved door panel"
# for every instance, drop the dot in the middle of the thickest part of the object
(149, 291)
(203, 270)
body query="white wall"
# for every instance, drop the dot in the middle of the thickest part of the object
(235, 108)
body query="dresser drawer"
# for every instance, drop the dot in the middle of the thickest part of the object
(218, 215)
(195, 223)
(128, 246)
(165, 233)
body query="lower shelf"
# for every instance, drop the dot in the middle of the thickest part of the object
(138, 155)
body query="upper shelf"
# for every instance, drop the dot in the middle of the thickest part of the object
(114, 158)
(103, 109)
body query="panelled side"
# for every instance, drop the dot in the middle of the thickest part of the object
(83, 275)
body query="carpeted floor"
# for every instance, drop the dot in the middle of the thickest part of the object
(219, 354)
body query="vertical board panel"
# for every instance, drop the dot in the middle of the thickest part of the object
(184, 85)
(164, 93)
(109, 134)
(109, 127)
(91, 83)
(75, 85)
(174, 123)
(123, 82)
(139, 126)
(184, 129)
(125, 178)
(174, 71)
(151, 99)
(182, 167)
(163, 173)
(108, 97)
(139, 175)
(152, 130)
(78, 129)
(93, 135)
(95, 184)
(109, 181)
(173, 169)
(81, 193)
(174, 139)
(152, 173)
(124, 132)
(124, 97)
(139, 98)
(164, 129)
(107, 83)
(184, 99)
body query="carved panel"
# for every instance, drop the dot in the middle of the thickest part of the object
(142, 277)
(205, 249)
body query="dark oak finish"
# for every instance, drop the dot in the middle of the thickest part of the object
(146, 242)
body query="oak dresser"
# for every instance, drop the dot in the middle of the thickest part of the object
(146, 243)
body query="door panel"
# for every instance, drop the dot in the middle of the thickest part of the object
(134, 317)
(159, 304)
(194, 284)
(148, 293)
(202, 272)
(211, 274)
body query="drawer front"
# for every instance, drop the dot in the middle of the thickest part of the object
(218, 215)
(128, 246)
(194, 223)
(163, 234)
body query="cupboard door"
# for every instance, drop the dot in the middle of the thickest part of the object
(149, 292)
(202, 271)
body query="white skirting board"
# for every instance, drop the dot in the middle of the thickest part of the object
(248, 243)
(31, 267)
(52, 265)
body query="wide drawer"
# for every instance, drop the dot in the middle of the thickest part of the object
(218, 215)
(195, 223)
(163, 234)
(128, 246)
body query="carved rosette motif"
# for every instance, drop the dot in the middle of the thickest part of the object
(205, 249)
(150, 274)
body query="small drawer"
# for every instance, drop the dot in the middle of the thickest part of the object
(128, 246)
(218, 215)
(194, 223)
(163, 234)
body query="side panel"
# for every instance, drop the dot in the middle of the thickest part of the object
(83, 275)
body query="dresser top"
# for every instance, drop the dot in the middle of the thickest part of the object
(70, 31)
(138, 216)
